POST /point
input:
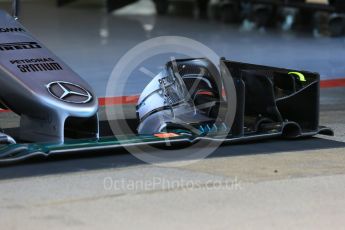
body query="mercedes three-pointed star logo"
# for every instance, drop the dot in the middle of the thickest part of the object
(69, 92)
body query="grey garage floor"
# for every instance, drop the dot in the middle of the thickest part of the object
(91, 41)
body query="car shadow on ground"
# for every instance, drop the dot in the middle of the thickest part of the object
(122, 158)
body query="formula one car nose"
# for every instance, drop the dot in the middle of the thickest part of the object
(39, 87)
(190, 100)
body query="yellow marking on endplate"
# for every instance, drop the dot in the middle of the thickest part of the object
(299, 75)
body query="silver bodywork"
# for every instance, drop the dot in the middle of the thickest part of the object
(27, 70)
